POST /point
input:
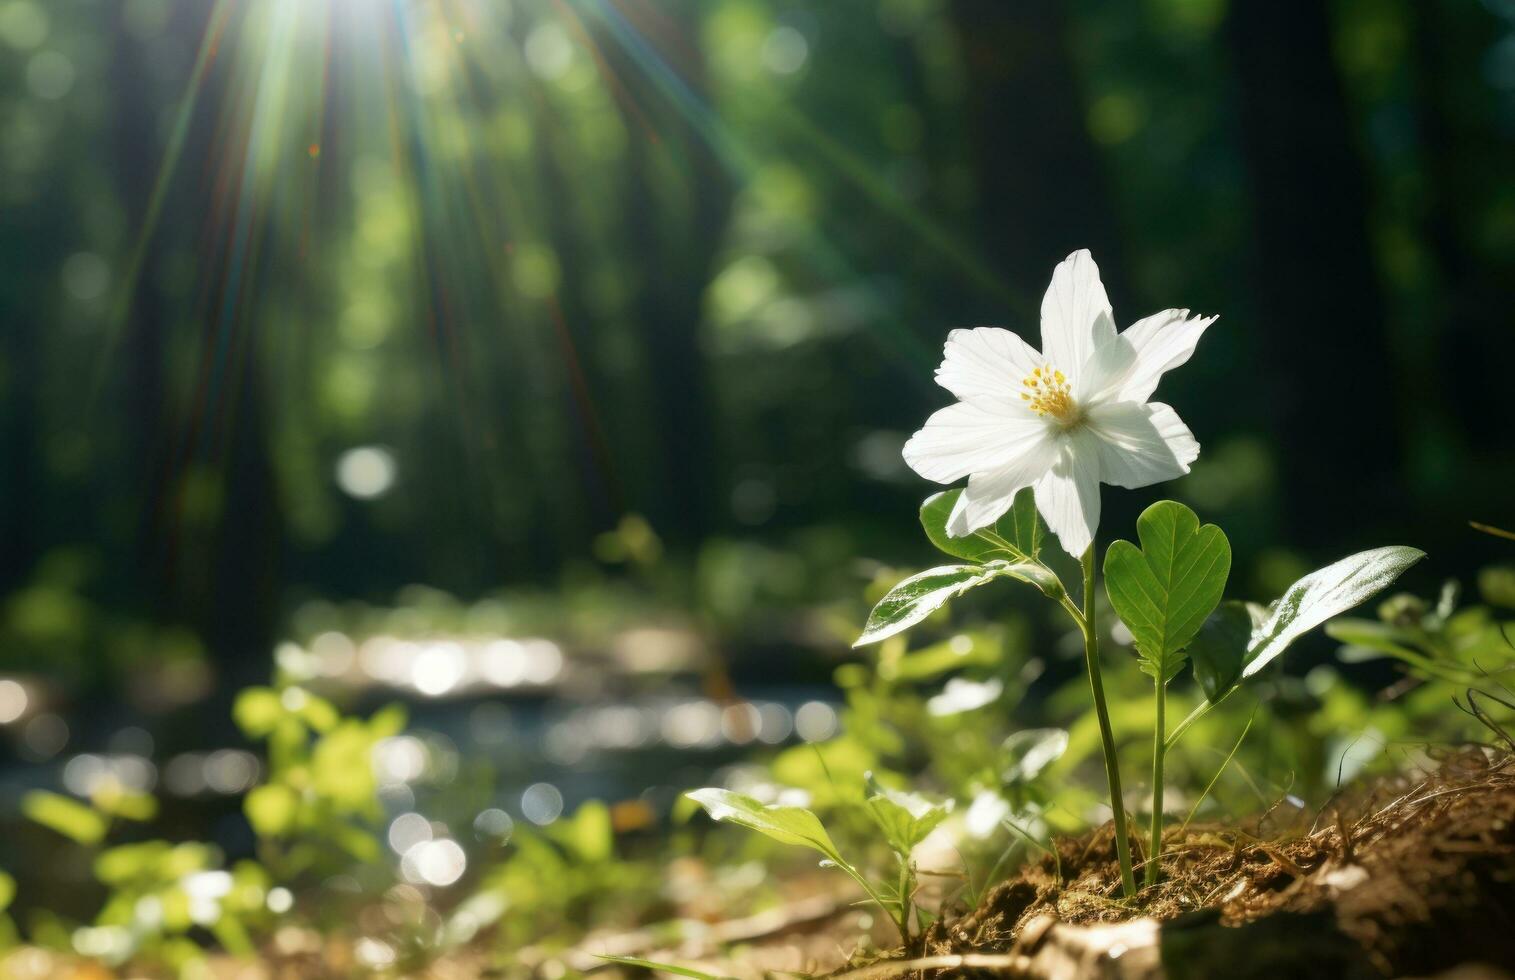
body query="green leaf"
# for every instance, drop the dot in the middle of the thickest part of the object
(1030, 751)
(271, 810)
(1021, 529)
(589, 834)
(388, 721)
(1323, 594)
(121, 864)
(1219, 649)
(1164, 591)
(127, 804)
(1369, 639)
(7, 890)
(963, 650)
(925, 592)
(905, 818)
(319, 713)
(73, 820)
(785, 824)
(257, 710)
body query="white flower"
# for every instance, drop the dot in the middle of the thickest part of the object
(1061, 421)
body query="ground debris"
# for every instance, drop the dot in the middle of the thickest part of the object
(1411, 877)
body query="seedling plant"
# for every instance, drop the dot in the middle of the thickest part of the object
(1035, 434)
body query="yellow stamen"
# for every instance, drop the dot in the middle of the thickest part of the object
(1048, 393)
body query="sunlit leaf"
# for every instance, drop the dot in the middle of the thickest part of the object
(1031, 750)
(588, 833)
(1021, 528)
(956, 653)
(1369, 639)
(118, 865)
(925, 592)
(785, 824)
(355, 841)
(271, 810)
(110, 798)
(187, 858)
(319, 713)
(73, 820)
(1323, 594)
(388, 721)
(232, 936)
(905, 818)
(1164, 590)
(7, 890)
(257, 710)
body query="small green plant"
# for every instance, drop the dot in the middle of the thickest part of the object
(1036, 434)
(903, 819)
(569, 871)
(158, 893)
(319, 806)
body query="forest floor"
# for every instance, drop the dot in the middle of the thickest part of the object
(1410, 877)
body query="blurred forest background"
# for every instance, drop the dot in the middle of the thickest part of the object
(308, 304)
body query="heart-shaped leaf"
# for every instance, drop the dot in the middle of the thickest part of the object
(925, 592)
(1164, 590)
(1017, 536)
(1322, 594)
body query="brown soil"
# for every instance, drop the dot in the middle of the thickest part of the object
(1413, 878)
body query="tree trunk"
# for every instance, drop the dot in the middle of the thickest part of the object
(1315, 279)
(1042, 192)
(675, 229)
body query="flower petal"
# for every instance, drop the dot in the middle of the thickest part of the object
(1100, 377)
(1076, 318)
(989, 494)
(1162, 342)
(1068, 494)
(972, 437)
(1140, 445)
(986, 361)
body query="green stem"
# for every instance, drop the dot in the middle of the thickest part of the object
(1199, 712)
(1155, 848)
(1106, 734)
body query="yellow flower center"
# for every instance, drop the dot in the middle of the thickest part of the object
(1047, 393)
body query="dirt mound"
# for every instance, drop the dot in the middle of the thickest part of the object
(1413, 878)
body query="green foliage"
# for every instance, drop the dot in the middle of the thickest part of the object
(905, 819)
(1016, 537)
(1466, 647)
(785, 824)
(1322, 594)
(77, 822)
(925, 592)
(1219, 649)
(1164, 591)
(319, 807)
(566, 873)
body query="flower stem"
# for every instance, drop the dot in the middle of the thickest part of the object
(1106, 734)
(1159, 744)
